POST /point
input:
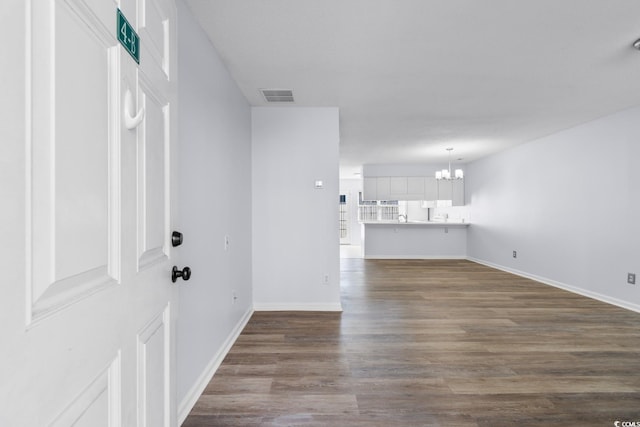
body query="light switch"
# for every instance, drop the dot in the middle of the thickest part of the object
(319, 184)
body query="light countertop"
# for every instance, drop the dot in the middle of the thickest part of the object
(410, 222)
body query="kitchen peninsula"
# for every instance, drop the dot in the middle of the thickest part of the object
(413, 212)
(414, 239)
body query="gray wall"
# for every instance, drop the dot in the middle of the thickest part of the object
(407, 169)
(568, 204)
(295, 226)
(215, 196)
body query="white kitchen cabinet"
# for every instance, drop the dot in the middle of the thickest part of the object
(430, 188)
(451, 190)
(370, 188)
(398, 187)
(406, 188)
(445, 189)
(457, 195)
(384, 188)
(415, 188)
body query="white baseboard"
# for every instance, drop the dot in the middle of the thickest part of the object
(196, 390)
(415, 257)
(584, 292)
(297, 307)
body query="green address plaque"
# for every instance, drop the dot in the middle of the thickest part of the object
(128, 37)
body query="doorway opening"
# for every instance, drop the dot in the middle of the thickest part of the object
(350, 233)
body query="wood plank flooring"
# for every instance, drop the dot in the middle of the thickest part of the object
(432, 343)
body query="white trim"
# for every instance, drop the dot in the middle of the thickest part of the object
(192, 396)
(584, 292)
(301, 306)
(160, 321)
(416, 257)
(109, 382)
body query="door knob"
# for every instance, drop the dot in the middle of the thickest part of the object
(185, 273)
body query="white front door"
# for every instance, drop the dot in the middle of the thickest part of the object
(88, 314)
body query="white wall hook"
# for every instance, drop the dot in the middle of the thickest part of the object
(131, 121)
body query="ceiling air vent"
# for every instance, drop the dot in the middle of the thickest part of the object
(277, 95)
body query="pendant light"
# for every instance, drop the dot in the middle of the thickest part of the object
(446, 173)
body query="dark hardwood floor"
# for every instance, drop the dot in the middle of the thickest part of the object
(432, 343)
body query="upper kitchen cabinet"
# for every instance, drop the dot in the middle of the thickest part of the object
(430, 188)
(457, 189)
(384, 188)
(406, 188)
(451, 190)
(445, 189)
(398, 187)
(415, 188)
(376, 188)
(370, 188)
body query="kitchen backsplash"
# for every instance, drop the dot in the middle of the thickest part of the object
(415, 212)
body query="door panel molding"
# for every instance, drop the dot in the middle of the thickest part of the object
(154, 357)
(154, 28)
(99, 400)
(72, 208)
(153, 176)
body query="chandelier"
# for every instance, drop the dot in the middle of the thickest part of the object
(446, 173)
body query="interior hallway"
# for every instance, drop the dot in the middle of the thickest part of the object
(350, 251)
(432, 343)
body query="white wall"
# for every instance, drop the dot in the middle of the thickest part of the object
(406, 169)
(569, 204)
(215, 196)
(295, 226)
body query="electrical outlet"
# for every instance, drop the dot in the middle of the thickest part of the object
(226, 243)
(325, 279)
(515, 254)
(631, 278)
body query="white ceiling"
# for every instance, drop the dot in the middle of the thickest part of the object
(412, 77)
